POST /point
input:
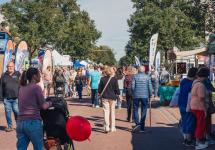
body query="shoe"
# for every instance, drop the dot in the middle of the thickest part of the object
(142, 131)
(210, 141)
(97, 106)
(135, 128)
(9, 129)
(189, 143)
(113, 130)
(201, 146)
(93, 105)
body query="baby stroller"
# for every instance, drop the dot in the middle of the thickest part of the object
(54, 124)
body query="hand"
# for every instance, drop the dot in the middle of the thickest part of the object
(120, 97)
(205, 114)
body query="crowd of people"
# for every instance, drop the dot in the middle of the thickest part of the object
(196, 108)
(24, 94)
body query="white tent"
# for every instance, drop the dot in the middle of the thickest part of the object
(59, 60)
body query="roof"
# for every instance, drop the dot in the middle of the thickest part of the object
(190, 53)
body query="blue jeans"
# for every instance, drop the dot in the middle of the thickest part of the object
(29, 131)
(188, 121)
(10, 105)
(155, 85)
(79, 89)
(144, 105)
(94, 97)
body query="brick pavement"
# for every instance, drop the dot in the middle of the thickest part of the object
(163, 135)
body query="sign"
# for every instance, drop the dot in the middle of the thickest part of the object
(153, 46)
(158, 61)
(8, 55)
(137, 61)
(22, 55)
(181, 68)
(47, 60)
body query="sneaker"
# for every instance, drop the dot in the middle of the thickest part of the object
(135, 128)
(189, 143)
(9, 129)
(93, 105)
(113, 130)
(201, 146)
(97, 106)
(142, 131)
(210, 141)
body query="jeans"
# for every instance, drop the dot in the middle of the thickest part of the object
(67, 89)
(188, 121)
(94, 97)
(29, 131)
(129, 101)
(119, 102)
(79, 89)
(144, 104)
(155, 85)
(10, 105)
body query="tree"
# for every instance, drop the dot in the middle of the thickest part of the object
(59, 23)
(180, 23)
(104, 54)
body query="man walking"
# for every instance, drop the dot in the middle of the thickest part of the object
(94, 78)
(142, 91)
(9, 92)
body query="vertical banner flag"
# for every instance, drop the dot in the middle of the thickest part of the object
(8, 55)
(137, 61)
(22, 55)
(153, 46)
(47, 60)
(158, 61)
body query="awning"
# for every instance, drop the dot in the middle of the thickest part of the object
(181, 54)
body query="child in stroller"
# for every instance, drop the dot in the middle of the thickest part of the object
(54, 123)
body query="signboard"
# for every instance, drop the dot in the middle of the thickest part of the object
(8, 55)
(22, 56)
(181, 68)
(158, 61)
(153, 46)
(47, 60)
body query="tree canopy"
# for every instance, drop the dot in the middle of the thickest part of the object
(103, 54)
(180, 23)
(59, 23)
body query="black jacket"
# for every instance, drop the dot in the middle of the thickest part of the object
(112, 91)
(9, 85)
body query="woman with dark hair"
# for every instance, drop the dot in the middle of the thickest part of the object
(187, 118)
(31, 100)
(198, 106)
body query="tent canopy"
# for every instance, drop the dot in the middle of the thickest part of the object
(59, 60)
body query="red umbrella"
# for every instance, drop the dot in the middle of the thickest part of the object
(78, 128)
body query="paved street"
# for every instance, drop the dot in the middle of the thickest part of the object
(163, 135)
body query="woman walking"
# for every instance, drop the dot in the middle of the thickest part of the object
(31, 100)
(198, 107)
(109, 92)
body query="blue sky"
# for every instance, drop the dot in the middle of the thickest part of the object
(111, 19)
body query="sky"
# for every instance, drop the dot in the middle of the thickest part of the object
(110, 17)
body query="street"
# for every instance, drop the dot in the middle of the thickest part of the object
(163, 135)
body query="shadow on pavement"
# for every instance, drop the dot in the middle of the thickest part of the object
(2, 128)
(160, 138)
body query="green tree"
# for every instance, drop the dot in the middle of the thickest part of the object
(103, 54)
(59, 23)
(180, 23)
